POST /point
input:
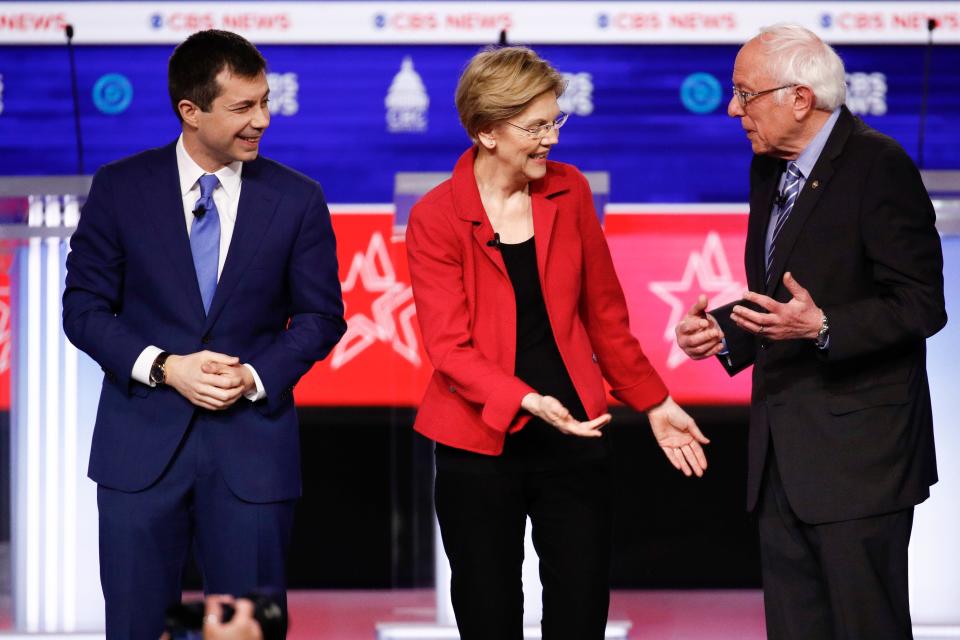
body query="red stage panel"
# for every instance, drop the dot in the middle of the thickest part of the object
(665, 257)
(664, 260)
(5, 318)
(380, 360)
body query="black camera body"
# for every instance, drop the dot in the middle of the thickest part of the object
(184, 621)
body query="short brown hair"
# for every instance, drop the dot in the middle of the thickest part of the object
(499, 83)
(197, 61)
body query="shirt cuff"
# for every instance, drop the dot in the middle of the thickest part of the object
(255, 394)
(725, 353)
(141, 368)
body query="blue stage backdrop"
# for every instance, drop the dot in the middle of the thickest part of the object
(352, 116)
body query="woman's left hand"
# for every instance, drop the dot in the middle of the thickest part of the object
(679, 437)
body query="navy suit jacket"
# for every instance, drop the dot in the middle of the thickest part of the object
(131, 283)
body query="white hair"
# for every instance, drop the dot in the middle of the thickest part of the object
(795, 55)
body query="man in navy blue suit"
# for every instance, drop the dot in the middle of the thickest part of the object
(203, 280)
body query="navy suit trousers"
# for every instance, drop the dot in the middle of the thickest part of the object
(145, 537)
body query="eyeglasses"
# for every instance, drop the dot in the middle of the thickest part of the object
(544, 129)
(747, 96)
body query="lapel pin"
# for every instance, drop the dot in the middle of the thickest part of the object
(814, 184)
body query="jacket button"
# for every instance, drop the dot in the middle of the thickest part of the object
(594, 356)
(206, 339)
(763, 343)
(453, 389)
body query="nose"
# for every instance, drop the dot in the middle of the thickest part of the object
(552, 137)
(261, 117)
(734, 108)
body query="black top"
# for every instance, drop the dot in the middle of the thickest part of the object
(538, 446)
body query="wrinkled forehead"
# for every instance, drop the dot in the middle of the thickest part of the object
(749, 68)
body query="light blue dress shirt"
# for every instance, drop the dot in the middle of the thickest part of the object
(805, 163)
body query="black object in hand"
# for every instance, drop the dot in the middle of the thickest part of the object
(184, 621)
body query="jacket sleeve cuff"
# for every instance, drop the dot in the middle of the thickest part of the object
(645, 394)
(502, 408)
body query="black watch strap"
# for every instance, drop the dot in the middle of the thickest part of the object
(158, 373)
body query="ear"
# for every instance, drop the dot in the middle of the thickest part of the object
(804, 101)
(487, 139)
(189, 112)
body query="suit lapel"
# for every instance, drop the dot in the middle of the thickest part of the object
(816, 183)
(544, 217)
(160, 191)
(469, 207)
(761, 203)
(257, 206)
(482, 235)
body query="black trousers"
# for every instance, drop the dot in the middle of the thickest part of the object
(836, 581)
(482, 522)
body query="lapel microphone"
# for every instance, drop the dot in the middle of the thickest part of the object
(780, 200)
(495, 242)
(199, 211)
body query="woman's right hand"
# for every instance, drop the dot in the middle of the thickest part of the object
(551, 411)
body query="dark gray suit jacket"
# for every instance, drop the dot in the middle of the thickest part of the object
(851, 426)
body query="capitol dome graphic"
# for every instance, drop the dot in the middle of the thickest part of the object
(407, 100)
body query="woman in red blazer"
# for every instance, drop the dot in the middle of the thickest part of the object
(523, 317)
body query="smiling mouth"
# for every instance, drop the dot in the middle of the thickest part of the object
(538, 156)
(250, 139)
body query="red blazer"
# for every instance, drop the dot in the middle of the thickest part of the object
(468, 318)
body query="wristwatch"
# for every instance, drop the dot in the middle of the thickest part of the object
(158, 373)
(824, 332)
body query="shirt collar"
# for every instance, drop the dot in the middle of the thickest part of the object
(190, 172)
(808, 158)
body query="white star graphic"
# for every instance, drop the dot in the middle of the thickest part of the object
(374, 270)
(710, 269)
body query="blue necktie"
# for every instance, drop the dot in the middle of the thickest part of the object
(791, 189)
(205, 239)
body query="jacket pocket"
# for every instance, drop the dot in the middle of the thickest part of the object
(140, 390)
(886, 395)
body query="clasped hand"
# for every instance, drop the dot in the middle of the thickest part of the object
(208, 379)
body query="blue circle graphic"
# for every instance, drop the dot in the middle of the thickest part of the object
(701, 92)
(156, 21)
(112, 93)
(826, 21)
(379, 21)
(603, 21)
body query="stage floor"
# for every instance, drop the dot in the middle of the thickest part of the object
(655, 615)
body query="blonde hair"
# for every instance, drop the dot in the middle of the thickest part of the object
(499, 82)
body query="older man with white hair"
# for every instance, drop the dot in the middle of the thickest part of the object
(845, 268)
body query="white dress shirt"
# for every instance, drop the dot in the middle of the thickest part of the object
(227, 198)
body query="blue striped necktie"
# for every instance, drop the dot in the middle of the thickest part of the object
(791, 189)
(205, 239)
